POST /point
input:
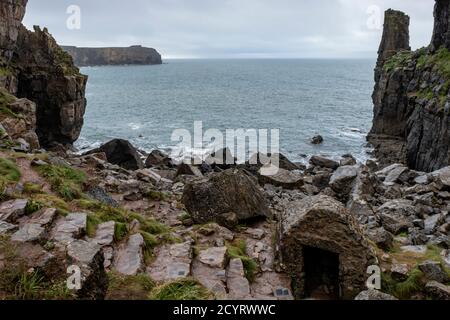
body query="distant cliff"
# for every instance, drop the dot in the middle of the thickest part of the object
(114, 56)
(412, 95)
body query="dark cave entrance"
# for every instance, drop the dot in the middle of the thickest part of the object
(321, 274)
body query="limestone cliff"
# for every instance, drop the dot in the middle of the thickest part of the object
(33, 66)
(411, 96)
(114, 56)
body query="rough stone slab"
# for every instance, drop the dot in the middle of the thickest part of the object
(238, 285)
(28, 233)
(438, 290)
(83, 251)
(211, 278)
(6, 227)
(12, 210)
(374, 295)
(104, 235)
(272, 286)
(214, 257)
(172, 262)
(43, 217)
(129, 257)
(69, 228)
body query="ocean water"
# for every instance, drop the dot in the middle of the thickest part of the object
(302, 98)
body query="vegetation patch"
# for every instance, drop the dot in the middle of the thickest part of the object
(64, 180)
(184, 289)
(399, 60)
(9, 170)
(136, 287)
(51, 201)
(405, 289)
(238, 250)
(65, 61)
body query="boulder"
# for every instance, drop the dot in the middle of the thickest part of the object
(348, 160)
(397, 215)
(283, 178)
(222, 193)
(188, 169)
(122, 153)
(382, 238)
(321, 225)
(438, 290)
(317, 139)
(157, 158)
(433, 271)
(322, 162)
(342, 179)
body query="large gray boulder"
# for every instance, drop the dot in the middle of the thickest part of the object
(231, 191)
(122, 153)
(374, 295)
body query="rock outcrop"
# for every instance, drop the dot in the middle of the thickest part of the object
(33, 66)
(114, 56)
(411, 97)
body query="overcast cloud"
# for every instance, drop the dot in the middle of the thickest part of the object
(231, 28)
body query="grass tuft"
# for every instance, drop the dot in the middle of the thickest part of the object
(238, 250)
(66, 181)
(184, 289)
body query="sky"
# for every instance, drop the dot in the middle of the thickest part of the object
(231, 28)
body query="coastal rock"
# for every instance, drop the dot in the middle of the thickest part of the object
(157, 158)
(342, 179)
(122, 153)
(283, 178)
(317, 139)
(319, 161)
(231, 191)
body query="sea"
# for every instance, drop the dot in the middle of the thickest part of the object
(301, 98)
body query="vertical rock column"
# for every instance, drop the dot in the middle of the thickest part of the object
(395, 38)
(441, 33)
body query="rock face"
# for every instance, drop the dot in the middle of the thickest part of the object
(114, 56)
(323, 248)
(441, 33)
(34, 67)
(231, 191)
(411, 108)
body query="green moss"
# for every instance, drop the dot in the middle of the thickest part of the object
(64, 180)
(91, 225)
(31, 188)
(238, 250)
(438, 62)
(51, 201)
(149, 225)
(185, 289)
(155, 195)
(120, 231)
(5, 72)
(65, 61)
(5, 99)
(9, 170)
(399, 60)
(33, 206)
